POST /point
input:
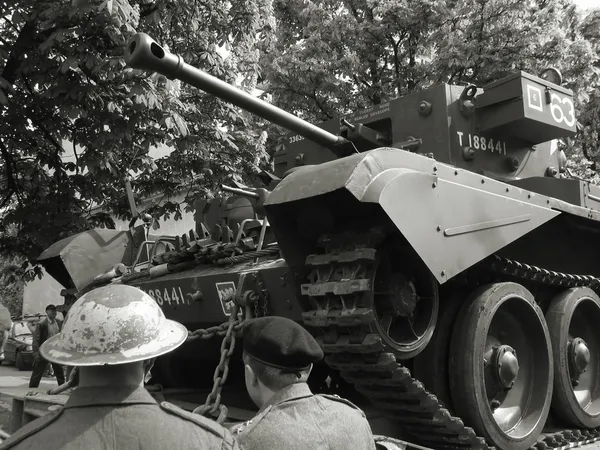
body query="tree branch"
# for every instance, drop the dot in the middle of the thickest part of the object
(44, 130)
(8, 196)
(9, 73)
(8, 21)
(10, 174)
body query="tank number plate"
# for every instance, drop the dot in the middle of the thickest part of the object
(172, 296)
(560, 106)
(226, 292)
(296, 138)
(482, 143)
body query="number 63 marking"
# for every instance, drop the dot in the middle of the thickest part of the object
(557, 113)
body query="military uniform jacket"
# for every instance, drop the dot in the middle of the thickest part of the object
(296, 419)
(126, 418)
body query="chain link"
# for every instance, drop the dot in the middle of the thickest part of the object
(218, 330)
(212, 406)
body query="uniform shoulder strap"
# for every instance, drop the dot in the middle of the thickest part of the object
(197, 419)
(337, 398)
(249, 425)
(31, 428)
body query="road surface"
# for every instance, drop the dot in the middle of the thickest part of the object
(10, 377)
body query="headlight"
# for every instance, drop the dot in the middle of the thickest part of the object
(29, 348)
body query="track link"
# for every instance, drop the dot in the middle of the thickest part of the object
(340, 288)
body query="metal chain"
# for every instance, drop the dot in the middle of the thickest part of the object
(213, 405)
(218, 330)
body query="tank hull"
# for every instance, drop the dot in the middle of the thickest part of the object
(216, 284)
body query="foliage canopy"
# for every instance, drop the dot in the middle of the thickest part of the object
(63, 78)
(339, 56)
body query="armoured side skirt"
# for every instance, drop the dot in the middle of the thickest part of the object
(452, 218)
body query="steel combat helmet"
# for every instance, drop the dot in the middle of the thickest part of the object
(113, 324)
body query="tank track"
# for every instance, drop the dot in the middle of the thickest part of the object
(340, 281)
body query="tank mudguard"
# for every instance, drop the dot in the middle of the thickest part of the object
(75, 261)
(452, 218)
(452, 226)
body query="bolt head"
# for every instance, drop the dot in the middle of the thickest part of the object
(513, 163)
(425, 108)
(468, 153)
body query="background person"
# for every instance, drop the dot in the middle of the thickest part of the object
(46, 328)
(5, 326)
(278, 357)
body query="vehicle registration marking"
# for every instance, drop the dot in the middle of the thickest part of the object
(482, 143)
(163, 296)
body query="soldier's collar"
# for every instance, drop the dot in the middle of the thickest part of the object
(291, 392)
(104, 396)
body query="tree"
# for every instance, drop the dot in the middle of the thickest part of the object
(590, 94)
(63, 78)
(12, 282)
(340, 56)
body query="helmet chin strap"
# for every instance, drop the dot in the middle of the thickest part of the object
(148, 364)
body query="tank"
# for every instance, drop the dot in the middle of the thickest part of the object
(433, 244)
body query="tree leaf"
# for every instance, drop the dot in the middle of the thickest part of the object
(181, 125)
(70, 63)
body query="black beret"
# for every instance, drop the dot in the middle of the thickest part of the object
(280, 342)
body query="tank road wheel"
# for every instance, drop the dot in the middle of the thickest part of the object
(431, 365)
(501, 366)
(405, 302)
(573, 320)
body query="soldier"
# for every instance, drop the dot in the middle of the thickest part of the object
(45, 329)
(113, 335)
(278, 357)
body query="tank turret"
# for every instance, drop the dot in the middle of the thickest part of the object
(503, 130)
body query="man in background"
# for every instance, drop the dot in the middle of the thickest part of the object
(5, 326)
(69, 298)
(46, 328)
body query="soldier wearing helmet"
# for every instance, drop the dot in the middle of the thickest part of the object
(278, 357)
(113, 335)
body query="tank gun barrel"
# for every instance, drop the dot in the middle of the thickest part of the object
(144, 53)
(238, 191)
